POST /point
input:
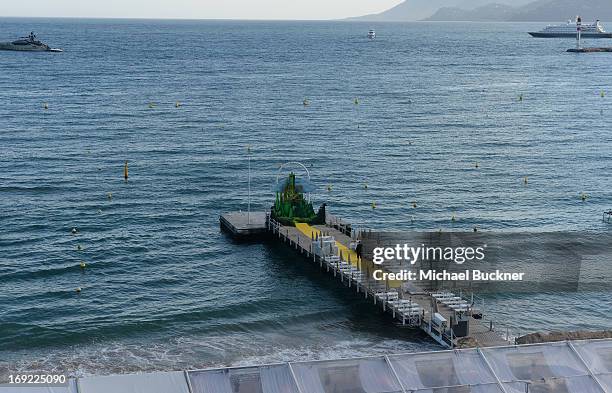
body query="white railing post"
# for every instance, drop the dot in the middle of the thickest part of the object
(599, 383)
(484, 358)
(399, 381)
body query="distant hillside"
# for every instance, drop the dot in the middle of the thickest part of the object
(560, 10)
(495, 10)
(412, 10)
(489, 12)
(537, 11)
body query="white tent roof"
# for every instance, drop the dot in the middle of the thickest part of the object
(173, 382)
(563, 367)
(568, 367)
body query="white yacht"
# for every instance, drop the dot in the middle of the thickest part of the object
(28, 44)
(588, 30)
(371, 34)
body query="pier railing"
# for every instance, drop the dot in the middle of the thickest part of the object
(353, 272)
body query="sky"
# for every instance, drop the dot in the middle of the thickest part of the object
(196, 9)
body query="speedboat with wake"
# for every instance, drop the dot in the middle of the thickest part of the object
(28, 44)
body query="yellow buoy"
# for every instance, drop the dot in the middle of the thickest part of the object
(83, 265)
(125, 170)
(373, 205)
(329, 187)
(602, 94)
(178, 104)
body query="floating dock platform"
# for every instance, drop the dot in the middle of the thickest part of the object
(589, 50)
(244, 224)
(569, 366)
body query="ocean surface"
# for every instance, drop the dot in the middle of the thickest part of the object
(439, 121)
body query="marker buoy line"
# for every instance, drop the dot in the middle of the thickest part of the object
(125, 170)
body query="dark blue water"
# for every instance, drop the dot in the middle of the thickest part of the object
(164, 289)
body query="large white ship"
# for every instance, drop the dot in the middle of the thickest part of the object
(594, 30)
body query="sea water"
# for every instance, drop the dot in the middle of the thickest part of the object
(449, 117)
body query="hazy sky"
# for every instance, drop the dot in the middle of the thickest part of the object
(196, 9)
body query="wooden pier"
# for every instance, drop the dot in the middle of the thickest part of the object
(446, 317)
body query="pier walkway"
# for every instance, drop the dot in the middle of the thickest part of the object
(448, 318)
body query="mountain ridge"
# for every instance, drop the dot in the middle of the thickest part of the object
(413, 10)
(494, 10)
